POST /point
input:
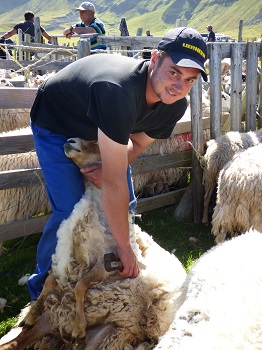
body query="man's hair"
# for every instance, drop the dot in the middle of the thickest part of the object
(29, 15)
(161, 56)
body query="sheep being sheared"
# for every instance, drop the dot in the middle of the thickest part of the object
(218, 153)
(239, 195)
(223, 300)
(82, 300)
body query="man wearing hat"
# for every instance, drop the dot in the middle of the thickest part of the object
(211, 36)
(89, 25)
(123, 103)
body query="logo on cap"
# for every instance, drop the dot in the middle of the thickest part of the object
(195, 48)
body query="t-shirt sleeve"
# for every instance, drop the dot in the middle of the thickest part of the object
(98, 27)
(111, 110)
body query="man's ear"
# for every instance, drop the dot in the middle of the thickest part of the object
(154, 56)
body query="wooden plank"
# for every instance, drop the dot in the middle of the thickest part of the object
(251, 86)
(146, 204)
(27, 177)
(236, 87)
(43, 65)
(24, 227)
(28, 226)
(16, 97)
(20, 178)
(158, 162)
(16, 144)
(215, 90)
(198, 144)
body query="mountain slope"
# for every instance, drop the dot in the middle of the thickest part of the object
(158, 15)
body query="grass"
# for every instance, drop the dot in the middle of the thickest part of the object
(18, 256)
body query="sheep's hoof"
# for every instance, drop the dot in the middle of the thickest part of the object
(25, 325)
(79, 344)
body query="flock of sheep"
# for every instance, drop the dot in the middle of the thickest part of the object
(217, 305)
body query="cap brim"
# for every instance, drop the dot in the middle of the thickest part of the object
(182, 60)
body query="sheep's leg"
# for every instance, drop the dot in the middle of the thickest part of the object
(95, 275)
(29, 336)
(207, 197)
(37, 308)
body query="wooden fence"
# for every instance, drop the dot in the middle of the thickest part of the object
(23, 97)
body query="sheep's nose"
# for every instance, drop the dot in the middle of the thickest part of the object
(71, 141)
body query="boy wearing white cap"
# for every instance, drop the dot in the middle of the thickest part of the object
(89, 24)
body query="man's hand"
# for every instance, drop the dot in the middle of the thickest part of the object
(129, 262)
(93, 173)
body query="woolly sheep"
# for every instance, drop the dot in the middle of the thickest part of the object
(22, 202)
(218, 153)
(222, 295)
(14, 119)
(239, 195)
(118, 313)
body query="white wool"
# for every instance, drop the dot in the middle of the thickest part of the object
(221, 151)
(223, 300)
(239, 195)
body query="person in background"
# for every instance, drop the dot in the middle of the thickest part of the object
(89, 25)
(146, 54)
(123, 103)
(27, 27)
(148, 32)
(211, 36)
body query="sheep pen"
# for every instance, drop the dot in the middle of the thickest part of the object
(118, 313)
(239, 195)
(222, 299)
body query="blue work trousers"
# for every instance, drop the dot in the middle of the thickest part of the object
(65, 187)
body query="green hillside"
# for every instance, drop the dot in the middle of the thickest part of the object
(157, 15)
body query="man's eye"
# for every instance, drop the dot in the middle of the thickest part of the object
(173, 73)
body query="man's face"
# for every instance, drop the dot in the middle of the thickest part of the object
(86, 15)
(168, 82)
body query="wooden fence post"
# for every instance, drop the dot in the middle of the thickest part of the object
(20, 52)
(240, 29)
(251, 82)
(260, 94)
(83, 48)
(38, 34)
(236, 87)
(198, 145)
(215, 55)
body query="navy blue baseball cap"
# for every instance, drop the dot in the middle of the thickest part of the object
(186, 48)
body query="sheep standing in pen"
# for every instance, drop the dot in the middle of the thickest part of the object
(14, 119)
(239, 195)
(22, 202)
(81, 300)
(223, 300)
(218, 153)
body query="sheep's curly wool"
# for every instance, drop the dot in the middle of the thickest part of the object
(239, 195)
(223, 300)
(140, 308)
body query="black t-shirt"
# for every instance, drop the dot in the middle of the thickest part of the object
(27, 27)
(106, 92)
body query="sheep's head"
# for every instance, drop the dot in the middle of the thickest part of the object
(82, 152)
